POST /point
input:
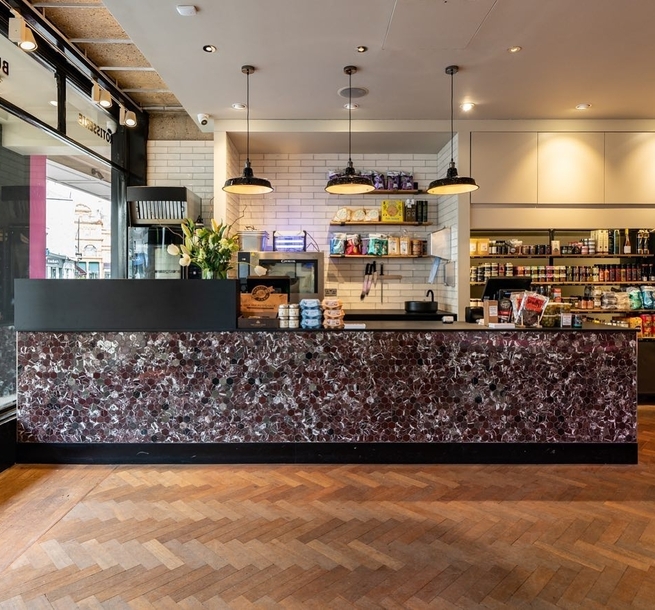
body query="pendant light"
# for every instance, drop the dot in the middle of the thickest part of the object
(247, 183)
(349, 183)
(452, 184)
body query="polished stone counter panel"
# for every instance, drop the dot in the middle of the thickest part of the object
(407, 386)
(7, 361)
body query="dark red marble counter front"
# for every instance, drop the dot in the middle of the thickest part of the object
(473, 386)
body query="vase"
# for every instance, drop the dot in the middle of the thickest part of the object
(214, 274)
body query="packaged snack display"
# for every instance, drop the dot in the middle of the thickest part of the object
(353, 244)
(379, 180)
(406, 181)
(378, 245)
(372, 215)
(333, 313)
(393, 180)
(310, 313)
(338, 243)
(647, 297)
(392, 210)
(532, 308)
(342, 215)
(634, 296)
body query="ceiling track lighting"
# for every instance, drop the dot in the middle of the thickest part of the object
(452, 184)
(349, 183)
(100, 96)
(20, 33)
(127, 117)
(247, 183)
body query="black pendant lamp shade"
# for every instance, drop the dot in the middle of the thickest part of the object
(452, 184)
(247, 183)
(349, 183)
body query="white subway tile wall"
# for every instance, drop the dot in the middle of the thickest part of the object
(188, 163)
(299, 202)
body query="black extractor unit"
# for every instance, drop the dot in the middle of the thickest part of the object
(162, 205)
(156, 213)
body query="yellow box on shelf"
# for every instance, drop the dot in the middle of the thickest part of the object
(391, 210)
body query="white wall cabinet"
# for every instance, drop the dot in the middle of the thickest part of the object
(629, 168)
(505, 166)
(571, 168)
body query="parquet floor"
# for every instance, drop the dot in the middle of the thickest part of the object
(330, 536)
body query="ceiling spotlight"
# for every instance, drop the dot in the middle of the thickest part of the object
(583, 106)
(53, 102)
(20, 33)
(351, 106)
(209, 48)
(100, 96)
(467, 106)
(362, 49)
(247, 183)
(127, 117)
(238, 106)
(186, 10)
(515, 49)
(452, 184)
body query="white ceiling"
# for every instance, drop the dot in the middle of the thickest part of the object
(596, 51)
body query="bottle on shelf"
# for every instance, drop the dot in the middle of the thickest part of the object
(617, 242)
(627, 246)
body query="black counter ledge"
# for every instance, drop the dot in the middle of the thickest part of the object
(398, 391)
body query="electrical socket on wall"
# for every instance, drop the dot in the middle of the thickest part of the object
(330, 292)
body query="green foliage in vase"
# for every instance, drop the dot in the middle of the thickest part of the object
(210, 248)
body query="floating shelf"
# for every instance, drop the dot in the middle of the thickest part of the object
(335, 223)
(377, 256)
(401, 192)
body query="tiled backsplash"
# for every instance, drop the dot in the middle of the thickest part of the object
(300, 202)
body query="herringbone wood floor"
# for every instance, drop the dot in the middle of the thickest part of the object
(330, 536)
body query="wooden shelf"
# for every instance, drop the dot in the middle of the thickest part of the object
(601, 255)
(560, 256)
(488, 256)
(377, 256)
(401, 192)
(552, 283)
(335, 223)
(621, 311)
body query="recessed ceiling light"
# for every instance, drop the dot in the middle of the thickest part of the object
(186, 10)
(209, 48)
(351, 106)
(239, 106)
(467, 106)
(53, 102)
(515, 49)
(583, 106)
(362, 49)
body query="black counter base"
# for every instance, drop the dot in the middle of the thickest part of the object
(327, 453)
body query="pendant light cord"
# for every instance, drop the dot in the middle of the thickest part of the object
(350, 110)
(452, 128)
(248, 117)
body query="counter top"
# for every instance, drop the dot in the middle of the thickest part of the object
(353, 315)
(433, 325)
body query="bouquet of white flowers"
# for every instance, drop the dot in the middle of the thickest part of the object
(210, 248)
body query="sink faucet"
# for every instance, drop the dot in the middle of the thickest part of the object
(430, 294)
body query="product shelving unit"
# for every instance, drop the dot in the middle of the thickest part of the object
(545, 236)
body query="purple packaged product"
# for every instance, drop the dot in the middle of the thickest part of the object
(393, 181)
(406, 181)
(379, 180)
